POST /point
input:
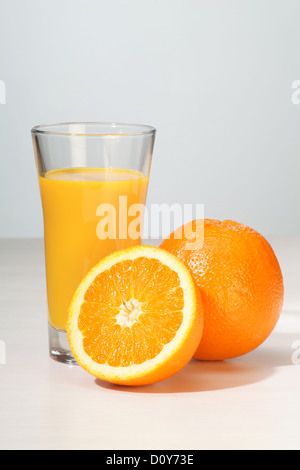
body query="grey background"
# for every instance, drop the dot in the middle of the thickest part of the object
(213, 76)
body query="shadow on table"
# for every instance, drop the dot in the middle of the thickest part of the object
(200, 376)
(254, 367)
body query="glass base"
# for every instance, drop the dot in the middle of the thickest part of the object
(59, 348)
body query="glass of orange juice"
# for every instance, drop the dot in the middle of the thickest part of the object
(93, 180)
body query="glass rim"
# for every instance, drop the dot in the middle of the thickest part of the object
(44, 129)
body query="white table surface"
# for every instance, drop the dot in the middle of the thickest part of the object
(252, 402)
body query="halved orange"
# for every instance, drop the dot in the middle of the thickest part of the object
(136, 318)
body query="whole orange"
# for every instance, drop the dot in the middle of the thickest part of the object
(241, 284)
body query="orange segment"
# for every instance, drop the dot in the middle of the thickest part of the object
(136, 318)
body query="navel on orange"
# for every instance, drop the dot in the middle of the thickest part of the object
(136, 318)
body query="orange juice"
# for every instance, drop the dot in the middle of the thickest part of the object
(73, 244)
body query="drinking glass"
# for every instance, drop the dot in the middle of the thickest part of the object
(91, 176)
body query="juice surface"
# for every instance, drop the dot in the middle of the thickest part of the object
(71, 200)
